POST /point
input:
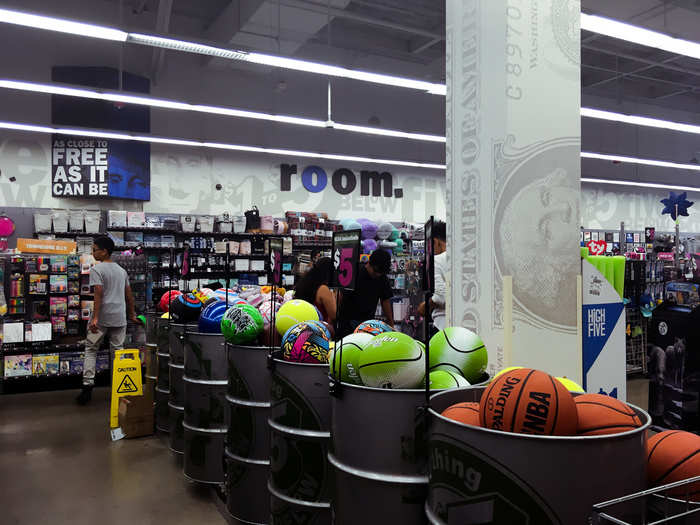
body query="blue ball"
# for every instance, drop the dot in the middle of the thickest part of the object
(210, 318)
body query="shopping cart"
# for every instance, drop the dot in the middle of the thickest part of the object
(652, 507)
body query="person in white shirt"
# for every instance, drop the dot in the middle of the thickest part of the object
(437, 301)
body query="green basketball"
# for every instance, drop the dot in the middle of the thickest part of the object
(352, 348)
(456, 349)
(242, 323)
(442, 379)
(392, 360)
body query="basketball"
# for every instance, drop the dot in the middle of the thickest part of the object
(456, 349)
(674, 455)
(305, 343)
(166, 299)
(442, 379)
(373, 327)
(528, 401)
(392, 360)
(352, 346)
(294, 312)
(467, 413)
(185, 309)
(210, 318)
(571, 386)
(241, 324)
(599, 414)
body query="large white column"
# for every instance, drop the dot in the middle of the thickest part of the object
(513, 176)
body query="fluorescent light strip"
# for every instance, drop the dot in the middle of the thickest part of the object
(54, 89)
(108, 33)
(216, 110)
(61, 25)
(645, 162)
(286, 63)
(639, 184)
(595, 23)
(639, 121)
(215, 145)
(639, 35)
(329, 156)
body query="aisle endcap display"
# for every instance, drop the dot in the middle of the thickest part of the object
(604, 365)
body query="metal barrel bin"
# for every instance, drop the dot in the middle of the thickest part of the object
(162, 331)
(151, 374)
(379, 450)
(161, 410)
(177, 432)
(300, 481)
(248, 438)
(152, 328)
(503, 477)
(205, 421)
(176, 341)
(150, 352)
(177, 384)
(163, 371)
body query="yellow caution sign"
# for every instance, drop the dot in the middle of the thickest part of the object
(126, 380)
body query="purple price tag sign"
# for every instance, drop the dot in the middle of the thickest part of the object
(276, 249)
(346, 258)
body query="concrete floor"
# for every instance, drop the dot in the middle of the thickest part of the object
(58, 466)
(638, 391)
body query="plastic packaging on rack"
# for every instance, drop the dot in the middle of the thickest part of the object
(60, 221)
(76, 220)
(42, 221)
(93, 218)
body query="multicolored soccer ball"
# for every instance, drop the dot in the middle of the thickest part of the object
(305, 343)
(373, 327)
(241, 324)
(323, 326)
(185, 308)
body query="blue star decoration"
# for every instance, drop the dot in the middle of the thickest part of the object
(679, 200)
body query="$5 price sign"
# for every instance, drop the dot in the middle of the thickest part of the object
(276, 247)
(346, 256)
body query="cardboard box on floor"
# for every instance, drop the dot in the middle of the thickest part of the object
(136, 414)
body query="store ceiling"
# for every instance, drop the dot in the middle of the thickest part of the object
(407, 37)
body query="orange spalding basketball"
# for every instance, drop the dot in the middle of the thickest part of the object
(529, 402)
(467, 413)
(599, 414)
(674, 455)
